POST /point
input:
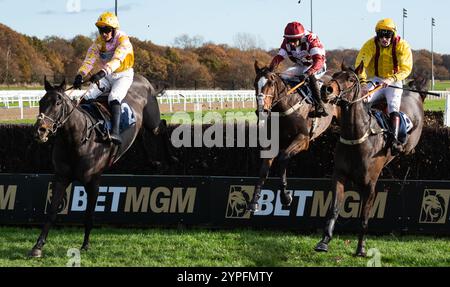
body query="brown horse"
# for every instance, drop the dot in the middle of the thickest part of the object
(361, 154)
(296, 129)
(80, 153)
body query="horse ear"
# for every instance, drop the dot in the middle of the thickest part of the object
(343, 66)
(360, 68)
(48, 86)
(258, 67)
(63, 85)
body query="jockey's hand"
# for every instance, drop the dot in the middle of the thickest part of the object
(364, 89)
(387, 82)
(302, 78)
(78, 82)
(97, 77)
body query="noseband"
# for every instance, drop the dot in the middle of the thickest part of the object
(57, 123)
(339, 100)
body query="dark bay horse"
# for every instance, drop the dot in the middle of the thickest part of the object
(361, 154)
(296, 129)
(83, 156)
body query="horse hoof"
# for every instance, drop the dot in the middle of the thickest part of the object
(286, 200)
(361, 253)
(85, 248)
(321, 247)
(253, 207)
(35, 253)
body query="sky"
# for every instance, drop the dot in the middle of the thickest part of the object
(339, 24)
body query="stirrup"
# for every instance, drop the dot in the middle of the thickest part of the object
(116, 139)
(318, 114)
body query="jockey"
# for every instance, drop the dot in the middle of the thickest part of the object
(387, 60)
(308, 53)
(115, 52)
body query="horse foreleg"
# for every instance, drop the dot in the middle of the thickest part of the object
(92, 189)
(300, 144)
(58, 191)
(263, 175)
(338, 198)
(368, 193)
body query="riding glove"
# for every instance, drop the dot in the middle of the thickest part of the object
(97, 77)
(78, 82)
(302, 78)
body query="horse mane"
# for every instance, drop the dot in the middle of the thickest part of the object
(419, 83)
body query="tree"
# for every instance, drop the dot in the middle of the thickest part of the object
(247, 42)
(186, 42)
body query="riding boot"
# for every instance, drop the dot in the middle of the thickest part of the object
(396, 146)
(319, 106)
(116, 111)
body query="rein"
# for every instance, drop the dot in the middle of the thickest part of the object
(294, 108)
(57, 124)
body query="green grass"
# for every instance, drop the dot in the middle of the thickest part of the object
(442, 85)
(18, 122)
(20, 88)
(246, 115)
(435, 105)
(204, 248)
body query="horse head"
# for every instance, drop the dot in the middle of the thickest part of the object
(53, 109)
(344, 87)
(269, 88)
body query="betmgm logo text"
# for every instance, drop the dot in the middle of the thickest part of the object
(8, 197)
(127, 199)
(306, 203)
(435, 206)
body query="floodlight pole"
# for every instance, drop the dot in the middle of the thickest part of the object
(432, 53)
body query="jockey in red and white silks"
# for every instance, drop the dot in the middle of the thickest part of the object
(307, 52)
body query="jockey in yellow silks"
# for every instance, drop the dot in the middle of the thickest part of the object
(114, 51)
(387, 60)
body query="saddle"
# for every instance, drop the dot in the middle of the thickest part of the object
(304, 92)
(99, 113)
(382, 123)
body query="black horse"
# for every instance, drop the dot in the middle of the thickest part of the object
(361, 154)
(81, 155)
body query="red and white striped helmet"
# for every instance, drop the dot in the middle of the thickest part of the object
(294, 30)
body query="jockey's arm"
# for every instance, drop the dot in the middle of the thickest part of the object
(92, 56)
(120, 55)
(318, 62)
(276, 61)
(405, 61)
(365, 55)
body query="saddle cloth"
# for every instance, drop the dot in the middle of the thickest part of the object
(101, 116)
(304, 92)
(384, 123)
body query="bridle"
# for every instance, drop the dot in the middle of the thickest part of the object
(278, 91)
(339, 100)
(63, 117)
(58, 123)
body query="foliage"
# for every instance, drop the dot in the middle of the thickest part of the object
(191, 63)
